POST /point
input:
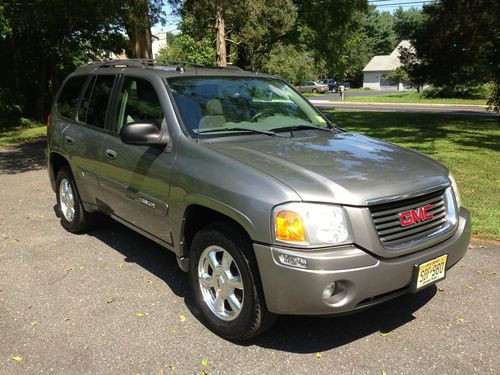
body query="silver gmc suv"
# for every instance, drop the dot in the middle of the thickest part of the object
(269, 207)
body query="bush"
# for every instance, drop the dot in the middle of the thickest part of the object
(27, 123)
(10, 109)
(456, 91)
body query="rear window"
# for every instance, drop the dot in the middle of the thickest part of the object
(70, 93)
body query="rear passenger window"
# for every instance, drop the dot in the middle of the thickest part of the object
(138, 102)
(70, 93)
(95, 101)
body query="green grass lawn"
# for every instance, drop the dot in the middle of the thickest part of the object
(410, 97)
(468, 145)
(16, 135)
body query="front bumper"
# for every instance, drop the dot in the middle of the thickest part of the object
(363, 279)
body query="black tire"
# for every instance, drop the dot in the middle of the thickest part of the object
(314, 91)
(254, 317)
(82, 220)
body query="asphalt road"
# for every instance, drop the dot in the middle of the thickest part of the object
(73, 305)
(402, 107)
(349, 93)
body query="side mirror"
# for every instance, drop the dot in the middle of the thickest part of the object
(142, 133)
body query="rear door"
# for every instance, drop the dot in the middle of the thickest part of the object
(136, 178)
(84, 137)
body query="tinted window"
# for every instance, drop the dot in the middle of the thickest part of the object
(69, 96)
(95, 101)
(138, 102)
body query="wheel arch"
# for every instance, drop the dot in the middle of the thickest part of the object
(56, 163)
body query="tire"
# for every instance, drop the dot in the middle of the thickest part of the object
(213, 244)
(69, 207)
(314, 91)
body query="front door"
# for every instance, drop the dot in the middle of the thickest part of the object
(136, 178)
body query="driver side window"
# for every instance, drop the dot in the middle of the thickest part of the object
(138, 102)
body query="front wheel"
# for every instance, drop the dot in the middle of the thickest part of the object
(225, 284)
(70, 209)
(314, 91)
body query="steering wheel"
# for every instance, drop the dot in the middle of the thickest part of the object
(260, 114)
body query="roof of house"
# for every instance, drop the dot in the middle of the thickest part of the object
(386, 62)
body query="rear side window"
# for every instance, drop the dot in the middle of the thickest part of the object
(95, 101)
(70, 93)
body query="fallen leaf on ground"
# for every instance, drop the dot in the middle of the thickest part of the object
(16, 358)
(318, 355)
(469, 286)
(490, 274)
(460, 320)
(440, 289)
(66, 319)
(139, 314)
(111, 300)
(383, 372)
(68, 269)
(204, 362)
(482, 246)
(15, 241)
(34, 323)
(173, 331)
(160, 372)
(182, 318)
(385, 334)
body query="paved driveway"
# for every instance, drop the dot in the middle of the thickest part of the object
(112, 302)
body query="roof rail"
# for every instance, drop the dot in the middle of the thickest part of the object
(144, 63)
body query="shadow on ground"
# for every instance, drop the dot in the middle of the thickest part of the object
(296, 334)
(23, 157)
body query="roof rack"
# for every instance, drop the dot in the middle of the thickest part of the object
(144, 63)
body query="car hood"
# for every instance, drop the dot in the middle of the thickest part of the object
(344, 168)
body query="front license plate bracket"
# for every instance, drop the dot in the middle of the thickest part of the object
(429, 273)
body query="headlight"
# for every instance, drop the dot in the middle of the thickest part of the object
(310, 224)
(455, 190)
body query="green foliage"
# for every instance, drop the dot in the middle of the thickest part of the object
(456, 91)
(398, 75)
(26, 123)
(10, 110)
(186, 48)
(458, 44)
(380, 32)
(407, 21)
(4, 25)
(291, 64)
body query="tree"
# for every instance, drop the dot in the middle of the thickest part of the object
(407, 21)
(331, 28)
(459, 43)
(47, 40)
(378, 27)
(291, 64)
(185, 48)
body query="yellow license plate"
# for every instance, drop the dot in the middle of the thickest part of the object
(431, 271)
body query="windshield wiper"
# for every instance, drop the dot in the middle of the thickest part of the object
(301, 127)
(236, 129)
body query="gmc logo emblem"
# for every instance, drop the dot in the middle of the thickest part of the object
(415, 216)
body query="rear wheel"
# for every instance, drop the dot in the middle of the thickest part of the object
(73, 217)
(314, 91)
(225, 283)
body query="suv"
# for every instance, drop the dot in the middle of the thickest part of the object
(269, 207)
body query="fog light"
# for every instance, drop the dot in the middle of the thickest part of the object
(329, 291)
(294, 261)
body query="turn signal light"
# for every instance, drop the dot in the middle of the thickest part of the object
(289, 227)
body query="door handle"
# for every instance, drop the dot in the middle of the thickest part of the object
(110, 154)
(69, 140)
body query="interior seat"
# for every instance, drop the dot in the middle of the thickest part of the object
(214, 117)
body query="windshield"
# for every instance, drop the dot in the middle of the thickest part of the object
(215, 106)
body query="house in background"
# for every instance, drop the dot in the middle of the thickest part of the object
(159, 41)
(375, 72)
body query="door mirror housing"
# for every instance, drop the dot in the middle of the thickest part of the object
(142, 133)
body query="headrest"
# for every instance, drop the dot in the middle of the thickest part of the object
(214, 107)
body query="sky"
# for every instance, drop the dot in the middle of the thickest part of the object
(382, 5)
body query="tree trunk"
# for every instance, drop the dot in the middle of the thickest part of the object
(220, 41)
(139, 29)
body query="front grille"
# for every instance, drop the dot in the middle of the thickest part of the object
(392, 233)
